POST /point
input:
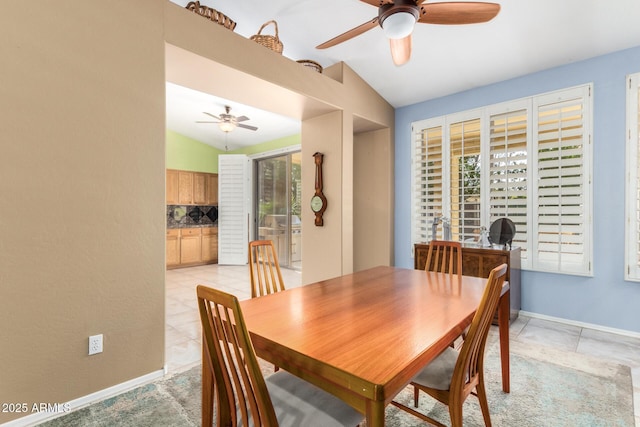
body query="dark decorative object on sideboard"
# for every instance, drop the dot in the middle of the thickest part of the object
(479, 262)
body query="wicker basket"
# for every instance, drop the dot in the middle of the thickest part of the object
(211, 14)
(310, 64)
(271, 42)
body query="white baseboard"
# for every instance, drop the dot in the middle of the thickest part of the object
(87, 400)
(623, 332)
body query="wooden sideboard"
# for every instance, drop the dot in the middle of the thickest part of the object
(479, 262)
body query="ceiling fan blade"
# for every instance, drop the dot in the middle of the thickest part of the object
(242, 119)
(200, 121)
(457, 13)
(349, 34)
(400, 50)
(247, 127)
(211, 115)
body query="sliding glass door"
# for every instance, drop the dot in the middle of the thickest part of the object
(278, 201)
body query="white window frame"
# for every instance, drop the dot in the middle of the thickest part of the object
(491, 111)
(530, 104)
(632, 200)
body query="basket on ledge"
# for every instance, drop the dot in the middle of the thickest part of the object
(211, 14)
(268, 41)
(310, 64)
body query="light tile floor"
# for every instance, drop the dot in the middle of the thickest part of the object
(183, 328)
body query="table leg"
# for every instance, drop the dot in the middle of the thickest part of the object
(375, 414)
(207, 388)
(504, 309)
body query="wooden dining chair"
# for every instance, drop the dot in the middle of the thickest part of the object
(444, 256)
(243, 396)
(453, 375)
(266, 277)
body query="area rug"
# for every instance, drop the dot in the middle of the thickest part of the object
(548, 388)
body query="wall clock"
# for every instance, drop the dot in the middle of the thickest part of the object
(318, 201)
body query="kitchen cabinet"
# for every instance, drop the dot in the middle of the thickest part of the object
(199, 186)
(172, 187)
(209, 253)
(211, 189)
(185, 188)
(187, 247)
(190, 246)
(191, 188)
(479, 262)
(173, 247)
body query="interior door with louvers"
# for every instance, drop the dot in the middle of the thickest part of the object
(234, 194)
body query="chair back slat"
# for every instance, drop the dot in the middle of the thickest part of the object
(242, 397)
(444, 256)
(266, 277)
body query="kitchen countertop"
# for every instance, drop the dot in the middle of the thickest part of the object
(174, 227)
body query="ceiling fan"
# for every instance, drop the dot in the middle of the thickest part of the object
(228, 122)
(398, 17)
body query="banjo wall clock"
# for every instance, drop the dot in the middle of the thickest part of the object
(318, 201)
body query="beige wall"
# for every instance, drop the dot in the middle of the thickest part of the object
(82, 177)
(82, 196)
(323, 134)
(373, 226)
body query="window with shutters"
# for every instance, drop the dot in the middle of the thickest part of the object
(427, 185)
(464, 182)
(563, 191)
(528, 160)
(632, 234)
(508, 180)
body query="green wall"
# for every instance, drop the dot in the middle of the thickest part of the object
(189, 154)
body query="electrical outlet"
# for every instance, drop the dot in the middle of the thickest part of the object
(95, 344)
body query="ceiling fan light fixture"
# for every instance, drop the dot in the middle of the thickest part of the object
(399, 25)
(227, 126)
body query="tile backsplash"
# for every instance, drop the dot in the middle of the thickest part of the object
(182, 216)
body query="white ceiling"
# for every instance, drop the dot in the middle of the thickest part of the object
(186, 106)
(526, 36)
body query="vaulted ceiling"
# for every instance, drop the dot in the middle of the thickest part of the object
(526, 36)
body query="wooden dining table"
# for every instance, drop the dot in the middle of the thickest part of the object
(364, 336)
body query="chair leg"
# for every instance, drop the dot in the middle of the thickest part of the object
(416, 395)
(455, 412)
(484, 405)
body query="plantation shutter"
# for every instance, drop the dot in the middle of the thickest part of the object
(508, 174)
(427, 180)
(563, 185)
(233, 209)
(632, 236)
(464, 166)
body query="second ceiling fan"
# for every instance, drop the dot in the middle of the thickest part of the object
(397, 19)
(228, 122)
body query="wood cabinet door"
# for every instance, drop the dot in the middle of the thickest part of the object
(199, 186)
(173, 248)
(481, 264)
(172, 187)
(211, 189)
(190, 250)
(210, 248)
(185, 187)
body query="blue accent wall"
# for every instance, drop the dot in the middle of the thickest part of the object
(605, 299)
